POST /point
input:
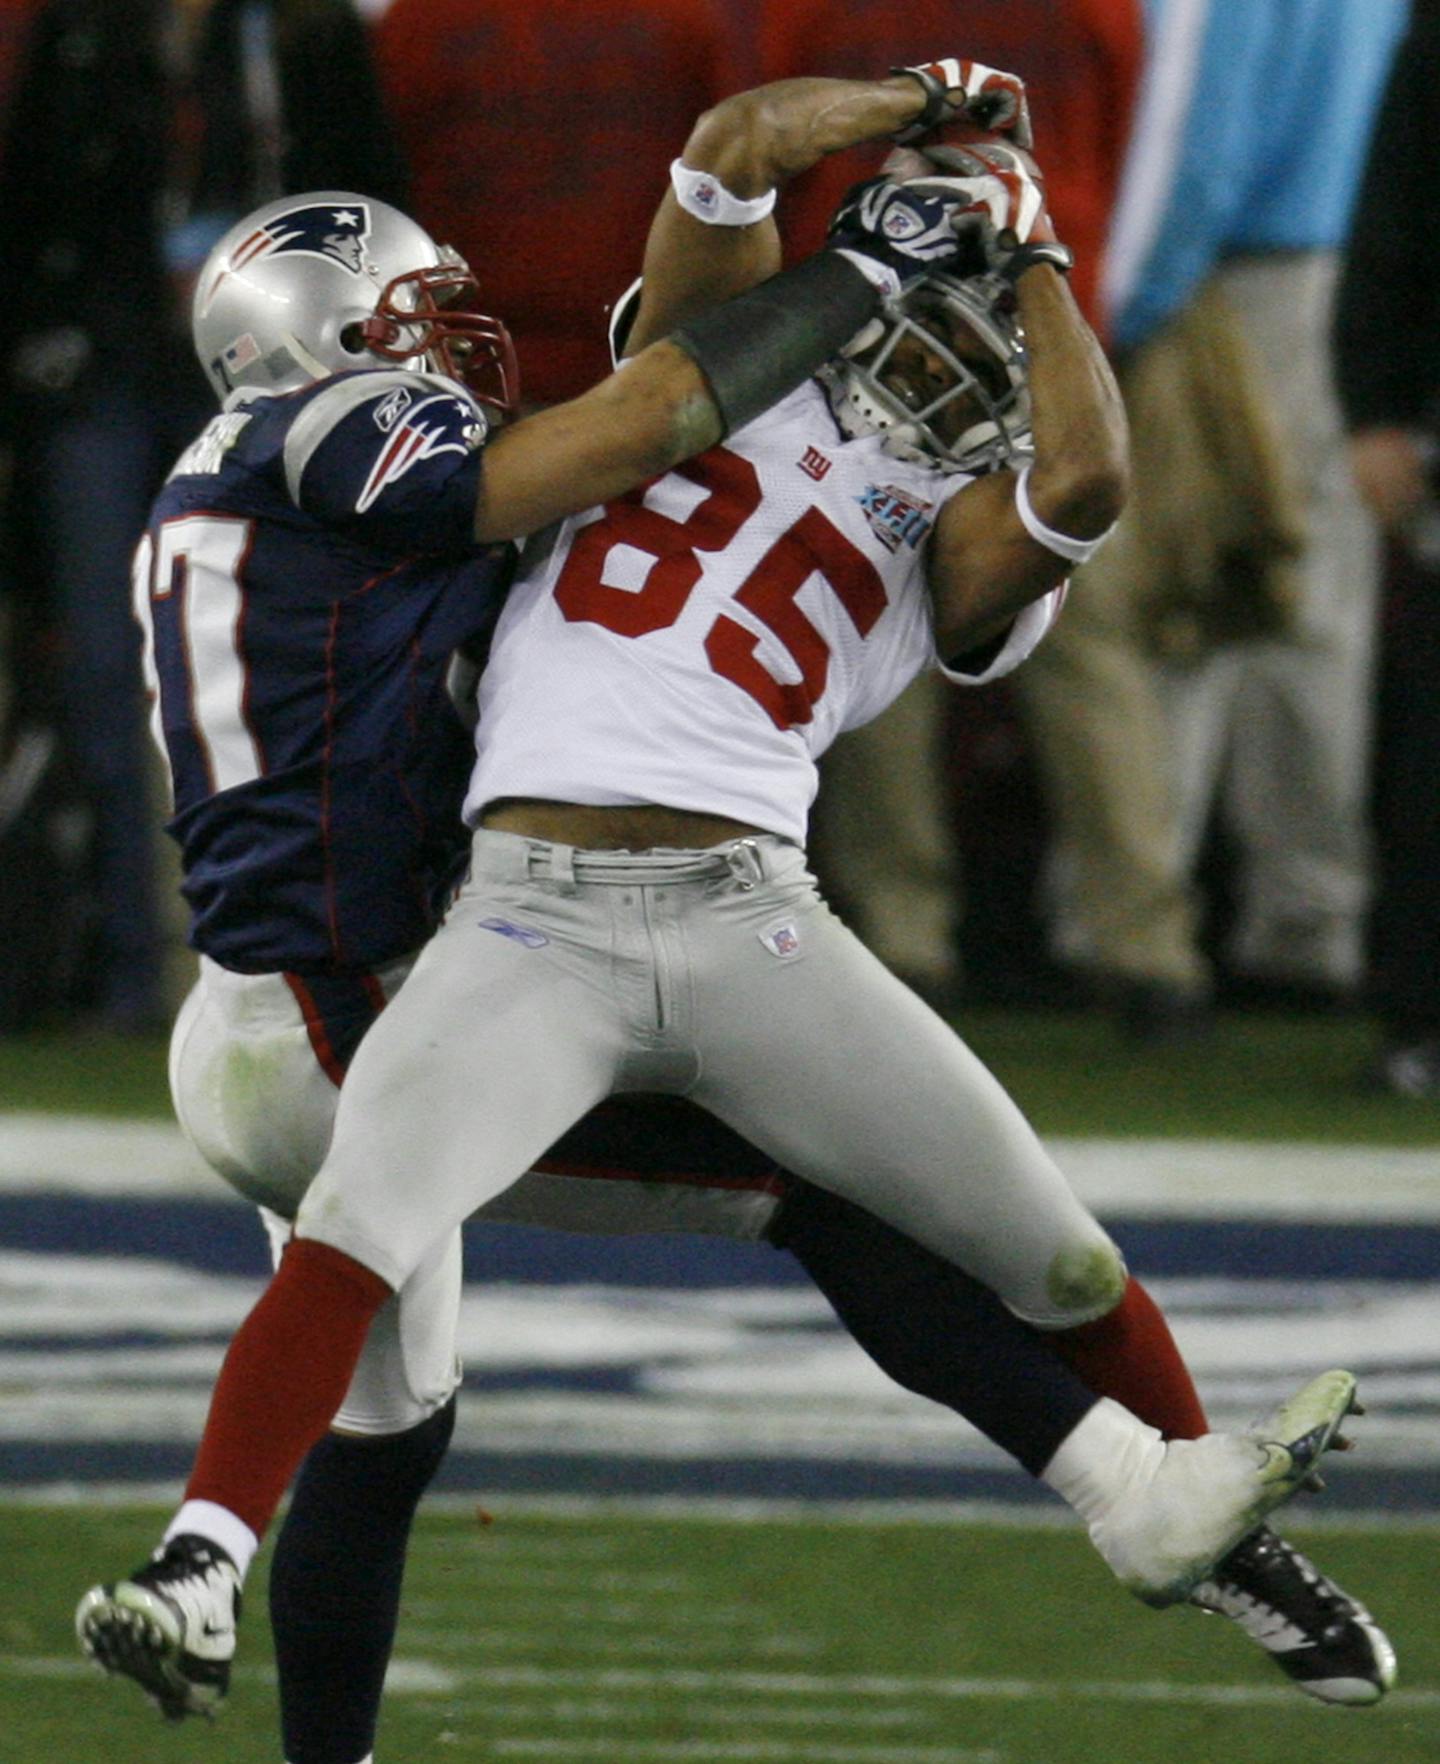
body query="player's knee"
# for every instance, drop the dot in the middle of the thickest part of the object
(1085, 1281)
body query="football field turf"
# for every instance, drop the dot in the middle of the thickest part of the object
(621, 1635)
(617, 1637)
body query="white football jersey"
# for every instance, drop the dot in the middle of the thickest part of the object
(699, 643)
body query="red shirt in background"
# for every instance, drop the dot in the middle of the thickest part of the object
(539, 138)
(1080, 60)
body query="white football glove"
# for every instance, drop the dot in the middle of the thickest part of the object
(986, 96)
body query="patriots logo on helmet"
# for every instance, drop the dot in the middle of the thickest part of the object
(321, 229)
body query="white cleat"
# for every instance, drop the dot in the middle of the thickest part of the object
(1205, 1495)
(170, 1626)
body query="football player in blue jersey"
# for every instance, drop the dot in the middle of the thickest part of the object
(314, 559)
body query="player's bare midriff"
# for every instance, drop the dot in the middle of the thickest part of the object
(632, 827)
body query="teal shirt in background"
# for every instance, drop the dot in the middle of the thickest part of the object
(1257, 143)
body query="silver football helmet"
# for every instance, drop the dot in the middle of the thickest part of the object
(961, 401)
(320, 283)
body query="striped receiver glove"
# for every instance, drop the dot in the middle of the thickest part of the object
(896, 232)
(1000, 203)
(982, 95)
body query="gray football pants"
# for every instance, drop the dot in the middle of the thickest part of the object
(561, 976)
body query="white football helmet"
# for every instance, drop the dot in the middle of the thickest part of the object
(971, 411)
(320, 283)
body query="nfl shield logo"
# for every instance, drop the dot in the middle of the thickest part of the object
(781, 940)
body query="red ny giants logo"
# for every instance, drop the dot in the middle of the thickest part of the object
(814, 464)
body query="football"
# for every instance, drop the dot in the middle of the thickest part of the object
(926, 159)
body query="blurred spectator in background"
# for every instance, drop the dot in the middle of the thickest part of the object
(539, 140)
(1387, 354)
(885, 830)
(1223, 643)
(138, 131)
(14, 25)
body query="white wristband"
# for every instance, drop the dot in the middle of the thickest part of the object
(1076, 551)
(703, 195)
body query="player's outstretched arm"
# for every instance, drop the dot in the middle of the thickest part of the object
(631, 427)
(718, 369)
(714, 233)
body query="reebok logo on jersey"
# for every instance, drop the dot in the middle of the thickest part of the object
(390, 410)
(781, 940)
(814, 464)
(896, 517)
(517, 933)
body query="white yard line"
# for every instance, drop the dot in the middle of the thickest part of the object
(418, 1677)
(742, 1752)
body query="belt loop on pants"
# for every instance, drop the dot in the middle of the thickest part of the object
(558, 867)
(745, 863)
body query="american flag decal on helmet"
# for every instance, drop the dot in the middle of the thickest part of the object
(240, 354)
(322, 229)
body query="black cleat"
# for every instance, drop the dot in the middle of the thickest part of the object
(1319, 1637)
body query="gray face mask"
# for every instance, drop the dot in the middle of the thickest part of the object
(970, 412)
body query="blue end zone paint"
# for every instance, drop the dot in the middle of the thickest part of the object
(38, 1462)
(1258, 1249)
(221, 1238)
(215, 1236)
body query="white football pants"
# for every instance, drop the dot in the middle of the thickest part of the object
(562, 976)
(257, 1105)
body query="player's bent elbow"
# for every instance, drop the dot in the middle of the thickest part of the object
(732, 140)
(1083, 497)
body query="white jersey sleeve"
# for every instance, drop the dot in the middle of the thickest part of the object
(1026, 631)
(699, 643)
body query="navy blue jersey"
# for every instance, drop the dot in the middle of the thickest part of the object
(308, 569)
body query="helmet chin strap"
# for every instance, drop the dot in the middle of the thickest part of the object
(311, 363)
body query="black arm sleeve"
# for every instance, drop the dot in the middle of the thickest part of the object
(762, 344)
(1387, 319)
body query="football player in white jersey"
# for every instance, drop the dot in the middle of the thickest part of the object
(695, 646)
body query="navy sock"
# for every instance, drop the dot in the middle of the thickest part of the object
(933, 1328)
(335, 1583)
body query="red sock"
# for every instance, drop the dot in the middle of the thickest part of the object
(1129, 1354)
(284, 1377)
